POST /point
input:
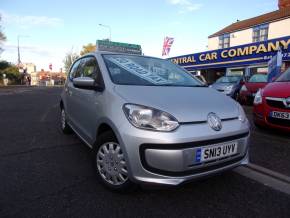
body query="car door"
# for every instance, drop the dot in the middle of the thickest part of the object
(69, 87)
(87, 102)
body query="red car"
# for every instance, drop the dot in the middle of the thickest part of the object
(272, 104)
(250, 88)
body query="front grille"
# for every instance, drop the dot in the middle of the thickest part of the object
(279, 122)
(276, 104)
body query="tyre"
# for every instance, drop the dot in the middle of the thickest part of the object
(236, 96)
(259, 126)
(63, 123)
(110, 164)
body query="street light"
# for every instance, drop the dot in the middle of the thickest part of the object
(107, 26)
(19, 36)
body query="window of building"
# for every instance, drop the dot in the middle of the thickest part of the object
(224, 41)
(260, 33)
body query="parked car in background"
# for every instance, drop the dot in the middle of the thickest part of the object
(250, 88)
(229, 85)
(272, 104)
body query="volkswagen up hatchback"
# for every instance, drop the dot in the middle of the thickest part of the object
(149, 121)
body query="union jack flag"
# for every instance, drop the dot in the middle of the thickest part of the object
(168, 41)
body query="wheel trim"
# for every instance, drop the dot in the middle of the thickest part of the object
(63, 119)
(111, 164)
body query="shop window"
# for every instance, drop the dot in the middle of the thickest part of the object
(224, 41)
(260, 33)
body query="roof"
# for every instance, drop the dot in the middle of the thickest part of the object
(245, 24)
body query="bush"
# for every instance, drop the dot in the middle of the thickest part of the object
(11, 71)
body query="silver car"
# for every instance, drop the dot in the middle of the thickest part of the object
(149, 121)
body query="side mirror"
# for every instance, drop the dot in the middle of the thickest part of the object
(87, 83)
(242, 82)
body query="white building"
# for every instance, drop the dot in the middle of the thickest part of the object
(268, 26)
(30, 67)
(243, 47)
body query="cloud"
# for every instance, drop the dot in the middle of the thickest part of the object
(29, 21)
(37, 54)
(30, 49)
(185, 5)
(175, 23)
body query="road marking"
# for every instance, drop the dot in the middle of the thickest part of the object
(43, 117)
(265, 176)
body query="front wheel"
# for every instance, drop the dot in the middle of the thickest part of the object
(63, 123)
(110, 164)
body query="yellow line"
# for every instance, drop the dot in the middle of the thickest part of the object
(226, 62)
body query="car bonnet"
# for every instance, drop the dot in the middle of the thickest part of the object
(186, 104)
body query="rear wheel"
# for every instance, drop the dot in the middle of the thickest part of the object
(110, 164)
(63, 123)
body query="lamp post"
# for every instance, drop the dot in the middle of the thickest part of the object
(107, 26)
(18, 48)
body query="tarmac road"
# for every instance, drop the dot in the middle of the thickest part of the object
(44, 173)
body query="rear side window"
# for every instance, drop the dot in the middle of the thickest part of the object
(74, 69)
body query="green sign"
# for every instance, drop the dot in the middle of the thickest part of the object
(105, 45)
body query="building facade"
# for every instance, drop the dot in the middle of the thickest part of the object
(29, 67)
(244, 47)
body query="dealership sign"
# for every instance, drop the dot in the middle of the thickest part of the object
(106, 45)
(253, 53)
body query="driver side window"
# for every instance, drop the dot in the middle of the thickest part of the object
(88, 68)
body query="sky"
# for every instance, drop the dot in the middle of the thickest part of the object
(47, 30)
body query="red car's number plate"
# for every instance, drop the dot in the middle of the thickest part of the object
(280, 115)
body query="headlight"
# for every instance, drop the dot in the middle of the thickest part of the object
(228, 89)
(244, 88)
(242, 115)
(149, 118)
(258, 97)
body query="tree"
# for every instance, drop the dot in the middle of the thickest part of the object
(70, 57)
(2, 36)
(88, 48)
(11, 72)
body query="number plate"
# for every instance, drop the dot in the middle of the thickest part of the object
(208, 153)
(280, 115)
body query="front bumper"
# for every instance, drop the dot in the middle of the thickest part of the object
(261, 117)
(169, 158)
(230, 93)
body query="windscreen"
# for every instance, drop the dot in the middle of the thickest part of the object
(229, 79)
(147, 71)
(284, 77)
(258, 78)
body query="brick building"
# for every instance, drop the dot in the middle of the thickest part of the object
(48, 78)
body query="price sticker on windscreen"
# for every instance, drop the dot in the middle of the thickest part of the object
(138, 70)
